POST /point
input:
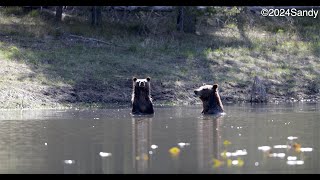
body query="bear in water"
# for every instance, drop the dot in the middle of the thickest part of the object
(210, 98)
(141, 98)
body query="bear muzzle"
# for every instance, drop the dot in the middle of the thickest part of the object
(196, 93)
(142, 84)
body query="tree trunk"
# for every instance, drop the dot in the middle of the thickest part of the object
(258, 91)
(186, 20)
(96, 16)
(58, 13)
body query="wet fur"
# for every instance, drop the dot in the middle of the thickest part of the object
(141, 98)
(210, 98)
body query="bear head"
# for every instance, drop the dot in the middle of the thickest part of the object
(141, 86)
(210, 98)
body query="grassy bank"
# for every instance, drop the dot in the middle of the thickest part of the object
(47, 64)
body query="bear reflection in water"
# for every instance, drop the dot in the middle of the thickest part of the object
(141, 142)
(210, 141)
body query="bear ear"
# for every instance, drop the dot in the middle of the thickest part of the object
(134, 79)
(215, 86)
(148, 78)
(204, 84)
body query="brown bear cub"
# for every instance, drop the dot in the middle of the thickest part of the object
(210, 98)
(141, 98)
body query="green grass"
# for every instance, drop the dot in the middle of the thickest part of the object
(273, 49)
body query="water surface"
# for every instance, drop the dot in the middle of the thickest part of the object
(248, 139)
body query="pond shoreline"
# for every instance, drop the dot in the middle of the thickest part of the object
(82, 106)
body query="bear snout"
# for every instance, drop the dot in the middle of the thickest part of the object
(142, 84)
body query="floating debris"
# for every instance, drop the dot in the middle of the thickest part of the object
(229, 162)
(256, 163)
(236, 153)
(45, 144)
(240, 152)
(182, 144)
(105, 154)
(280, 155)
(153, 146)
(95, 118)
(239, 162)
(69, 161)
(280, 146)
(224, 154)
(174, 151)
(305, 149)
(226, 142)
(297, 147)
(264, 148)
(144, 157)
(235, 162)
(217, 163)
(292, 138)
(228, 154)
(292, 158)
(299, 162)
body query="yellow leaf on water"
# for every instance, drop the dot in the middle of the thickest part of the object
(174, 151)
(229, 162)
(224, 154)
(240, 162)
(145, 157)
(217, 163)
(226, 142)
(297, 147)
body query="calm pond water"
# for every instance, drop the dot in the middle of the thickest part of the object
(248, 139)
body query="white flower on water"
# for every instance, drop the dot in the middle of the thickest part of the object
(264, 148)
(182, 144)
(105, 154)
(153, 146)
(292, 138)
(69, 161)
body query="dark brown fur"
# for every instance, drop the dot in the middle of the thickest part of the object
(210, 98)
(141, 98)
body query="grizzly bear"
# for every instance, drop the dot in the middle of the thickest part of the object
(210, 98)
(141, 98)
